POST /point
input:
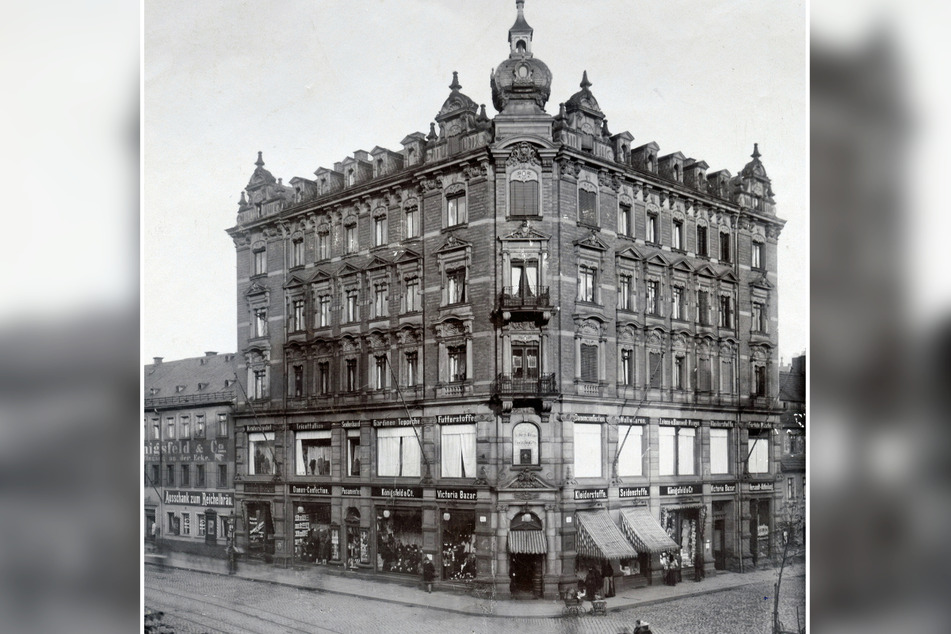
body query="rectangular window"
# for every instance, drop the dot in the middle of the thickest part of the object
(524, 276)
(259, 384)
(412, 368)
(170, 475)
(350, 235)
(411, 294)
(719, 451)
(587, 278)
(624, 223)
(380, 300)
(297, 253)
(174, 524)
(656, 370)
(524, 198)
(758, 448)
(627, 367)
(323, 246)
(653, 293)
(199, 425)
(760, 379)
(352, 313)
(704, 378)
(680, 373)
(351, 375)
(323, 377)
(261, 453)
(379, 374)
(757, 255)
(724, 246)
(154, 476)
(186, 476)
(223, 476)
(260, 322)
(703, 245)
(678, 235)
(456, 210)
(201, 524)
(678, 302)
(587, 439)
(259, 262)
(353, 452)
(412, 222)
(631, 453)
(156, 429)
(589, 363)
(379, 231)
(323, 311)
(667, 450)
(458, 450)
(624, 292)
(297, 381)
(457, 363)
(456, 286)
(398, 453)
(200, 475)
(588, 207)
(677, 449)
(298, 321)
(170, 428)
(686, 440)
(726, 312)
(186, 524)
(653, 234)
(759, 322)
(222, 424)
(726, 377)
(185, 422)
(313, 453)
(703, 308)
(790, 489)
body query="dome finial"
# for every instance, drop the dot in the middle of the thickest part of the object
(584, 80)
(520, 6)
(455, 81)
(260, 161)
(756, 153)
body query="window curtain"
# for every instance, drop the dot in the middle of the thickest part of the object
(685, 465)
(629, 461)
(458, 451)
(666, 449)
(411, 455)
(587, 450)
(388, 451)
(759, 455)
(719, 451)
(260, 446)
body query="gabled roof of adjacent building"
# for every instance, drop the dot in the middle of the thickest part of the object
(212, 373)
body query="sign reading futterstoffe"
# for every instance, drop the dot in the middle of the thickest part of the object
(634, 492)
(396, 422)
(396, 492)
(463, 495)
(591, 494)
(310, 489)
(723, 488)
(456, 419)
(760, 486)
(199, 498)
(680, 489)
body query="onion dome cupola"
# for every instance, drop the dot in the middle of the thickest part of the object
(522, 83)
(752, 188)
(458, 114)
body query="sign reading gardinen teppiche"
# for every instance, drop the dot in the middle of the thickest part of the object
(200, 498)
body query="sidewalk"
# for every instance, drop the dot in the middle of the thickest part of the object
(403, 591)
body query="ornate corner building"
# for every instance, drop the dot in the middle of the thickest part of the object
(520, 344)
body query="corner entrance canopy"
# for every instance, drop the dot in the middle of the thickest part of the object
(600, 538)
(528, 542)
(645, 532)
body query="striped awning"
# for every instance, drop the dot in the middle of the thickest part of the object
(529, 542)
(600, 538)
(645, 532)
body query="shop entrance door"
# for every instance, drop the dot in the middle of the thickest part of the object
(526, 574)
(719, 544)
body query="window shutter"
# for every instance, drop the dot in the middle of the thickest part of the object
(589, 362)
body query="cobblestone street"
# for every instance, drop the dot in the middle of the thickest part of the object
(196, 602)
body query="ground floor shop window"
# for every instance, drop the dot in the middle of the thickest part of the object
(458, 544)
(759, 531)
(314, 539)
(260, 528)
(399, 535)
(357, 546)
(685, 526)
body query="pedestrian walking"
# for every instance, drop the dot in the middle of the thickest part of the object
(607, 572)
(429, 573)
(592, 584)
(232, 554)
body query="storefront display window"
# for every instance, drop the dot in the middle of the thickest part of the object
(685, 526)
(759, 530)
(261, 453)
(399, 535)
(313, 453)
(458, 544)
(260, 528)
(313, 540)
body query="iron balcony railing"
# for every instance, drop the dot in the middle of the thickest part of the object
(188, 399)
(523, 298)
(507, 385)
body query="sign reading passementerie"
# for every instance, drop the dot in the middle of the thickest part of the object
(396, 492)
(680, 489)
(633, 492)
(465, 495)
(591, 494)
(351, 491)
(199, 498)
(723, 488)
(310, 489)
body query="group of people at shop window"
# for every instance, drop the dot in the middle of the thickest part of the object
(597, 584)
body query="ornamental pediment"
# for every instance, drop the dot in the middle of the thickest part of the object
(527, 480)
(728, 276)
(348, 269)
(707, 271)
(630, 253)
(452, 243)
(761, 282)
(592, 241)
(294, 280)
(526, 232)
(658, 260)
(407, 255)
(255, 289)
(377, 262)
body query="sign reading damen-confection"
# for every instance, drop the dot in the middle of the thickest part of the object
(591, 494)
(465, 495)
(396, 492)
(310, 489)
(396, 422)
(310, 426)
(451, 419)
(680, 489)
(634, 492)
(591, 418)
(723, 488)
(351, 491)
(760, 486)
(199, 498)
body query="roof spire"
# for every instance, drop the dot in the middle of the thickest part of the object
(756, 153)
(260, 161)
(584, 80)
(455, 81)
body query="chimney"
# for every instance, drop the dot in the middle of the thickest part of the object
(210, 353)
(157, 360)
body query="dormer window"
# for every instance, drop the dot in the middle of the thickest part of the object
(202, 386)
(179, 388)
(351, 177)
(153, 391)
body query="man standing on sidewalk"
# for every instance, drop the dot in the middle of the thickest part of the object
(429, 573)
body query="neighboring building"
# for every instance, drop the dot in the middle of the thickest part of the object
(189, 452)
(519, 344)
(792, 395)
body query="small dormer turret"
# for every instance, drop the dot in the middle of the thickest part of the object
(752, 188)
(621, 144)
(695, 174)
(644, 157)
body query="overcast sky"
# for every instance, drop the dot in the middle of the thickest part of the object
(309, 82)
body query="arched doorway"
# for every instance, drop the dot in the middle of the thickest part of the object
(527, 547)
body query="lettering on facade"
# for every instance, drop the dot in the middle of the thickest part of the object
(397, 492)
(310, 426)
(723, 488)
(310, 489)
(350, 424)
(187, 450)
(723, 424)
(759, 424)
(760, 486)
(258, 428)
(199, 498)
(464, 495)
(680, 489)
(258, 487)
(591, 418)
(396, 422)
(679, 422)
(631, 420)
(354, 491)
(634, 492)
(591, 494)
(456, 418)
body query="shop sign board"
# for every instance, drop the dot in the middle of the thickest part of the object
(350, 424)
(759, 424)
(199, 498)
(631, 420)
(591, 418)
(351, 491)
(310, 489)
(760, 486)
(722, 424)
(591, 494)
(634, 492)
(311, 426)
(680, 489)
(464, 495)
(454, 419)
(396, 422)
(723, 488)
(194, 450)
(679, 422)
(258, 487)
(397, 492)
(258, 428)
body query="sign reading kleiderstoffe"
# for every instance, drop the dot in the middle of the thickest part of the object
(310, 489)
(680, 489)
(591, 494)
(199, 498)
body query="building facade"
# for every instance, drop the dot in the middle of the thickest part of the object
(189, 453)
(792, 396)
(519, 344)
